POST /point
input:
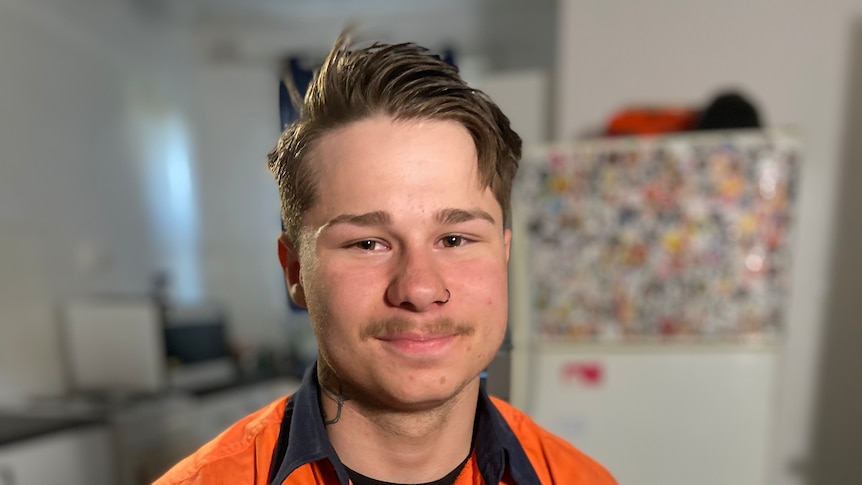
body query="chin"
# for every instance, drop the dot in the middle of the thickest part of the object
(420, 394)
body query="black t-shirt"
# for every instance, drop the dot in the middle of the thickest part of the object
(449, 479)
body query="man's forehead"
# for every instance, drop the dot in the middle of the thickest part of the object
(325, 144)
(380, 164)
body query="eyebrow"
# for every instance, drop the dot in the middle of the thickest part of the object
(454, 216)
(382, 218)
(376, 218)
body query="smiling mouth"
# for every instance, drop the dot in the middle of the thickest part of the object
(429, 339)
(419, 343)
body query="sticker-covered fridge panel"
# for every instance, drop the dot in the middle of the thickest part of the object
(684, 237)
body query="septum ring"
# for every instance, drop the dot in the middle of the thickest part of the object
(448, 296)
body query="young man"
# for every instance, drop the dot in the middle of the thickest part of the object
(395, 186)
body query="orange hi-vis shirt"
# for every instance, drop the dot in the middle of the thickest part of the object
(285, 443)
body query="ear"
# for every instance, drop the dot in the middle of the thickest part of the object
(288, 256)
(507, 240)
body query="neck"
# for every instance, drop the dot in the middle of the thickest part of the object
(400, 446)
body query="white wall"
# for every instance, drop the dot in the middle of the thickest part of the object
(123, 155)
(236, 121)
(75, 214)
(837, 427)
(60, 120)
(789, 56)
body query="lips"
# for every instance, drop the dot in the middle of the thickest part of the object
(416, 336)
(419, 344)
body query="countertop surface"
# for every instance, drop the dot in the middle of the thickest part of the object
(41, 418)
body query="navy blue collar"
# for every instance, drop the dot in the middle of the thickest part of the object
(303, 440)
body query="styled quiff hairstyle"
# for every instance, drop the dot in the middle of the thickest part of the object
(404, 83)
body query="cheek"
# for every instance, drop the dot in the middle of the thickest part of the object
(345, 293)
(487, 282)
(486, 293)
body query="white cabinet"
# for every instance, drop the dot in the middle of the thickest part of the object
(80, 456)
(152, 436)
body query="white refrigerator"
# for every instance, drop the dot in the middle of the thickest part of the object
(649, 281)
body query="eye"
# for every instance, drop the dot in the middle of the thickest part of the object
(367, 245)
(453, 241)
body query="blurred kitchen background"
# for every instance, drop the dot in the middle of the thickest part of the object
(142, 308)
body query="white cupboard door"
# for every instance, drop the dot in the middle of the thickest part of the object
(74, 457)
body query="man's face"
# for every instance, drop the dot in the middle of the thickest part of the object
(400, 226)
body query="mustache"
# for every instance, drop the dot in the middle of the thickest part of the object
(396, 325)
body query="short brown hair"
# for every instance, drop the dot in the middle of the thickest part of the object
(401, 81)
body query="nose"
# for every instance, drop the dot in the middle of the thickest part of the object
(417, 283)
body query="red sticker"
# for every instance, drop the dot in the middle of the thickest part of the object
(586, 373)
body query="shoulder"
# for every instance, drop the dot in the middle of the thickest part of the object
(554, 459)
(237, 453)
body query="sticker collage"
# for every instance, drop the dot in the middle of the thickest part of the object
(677, 238)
